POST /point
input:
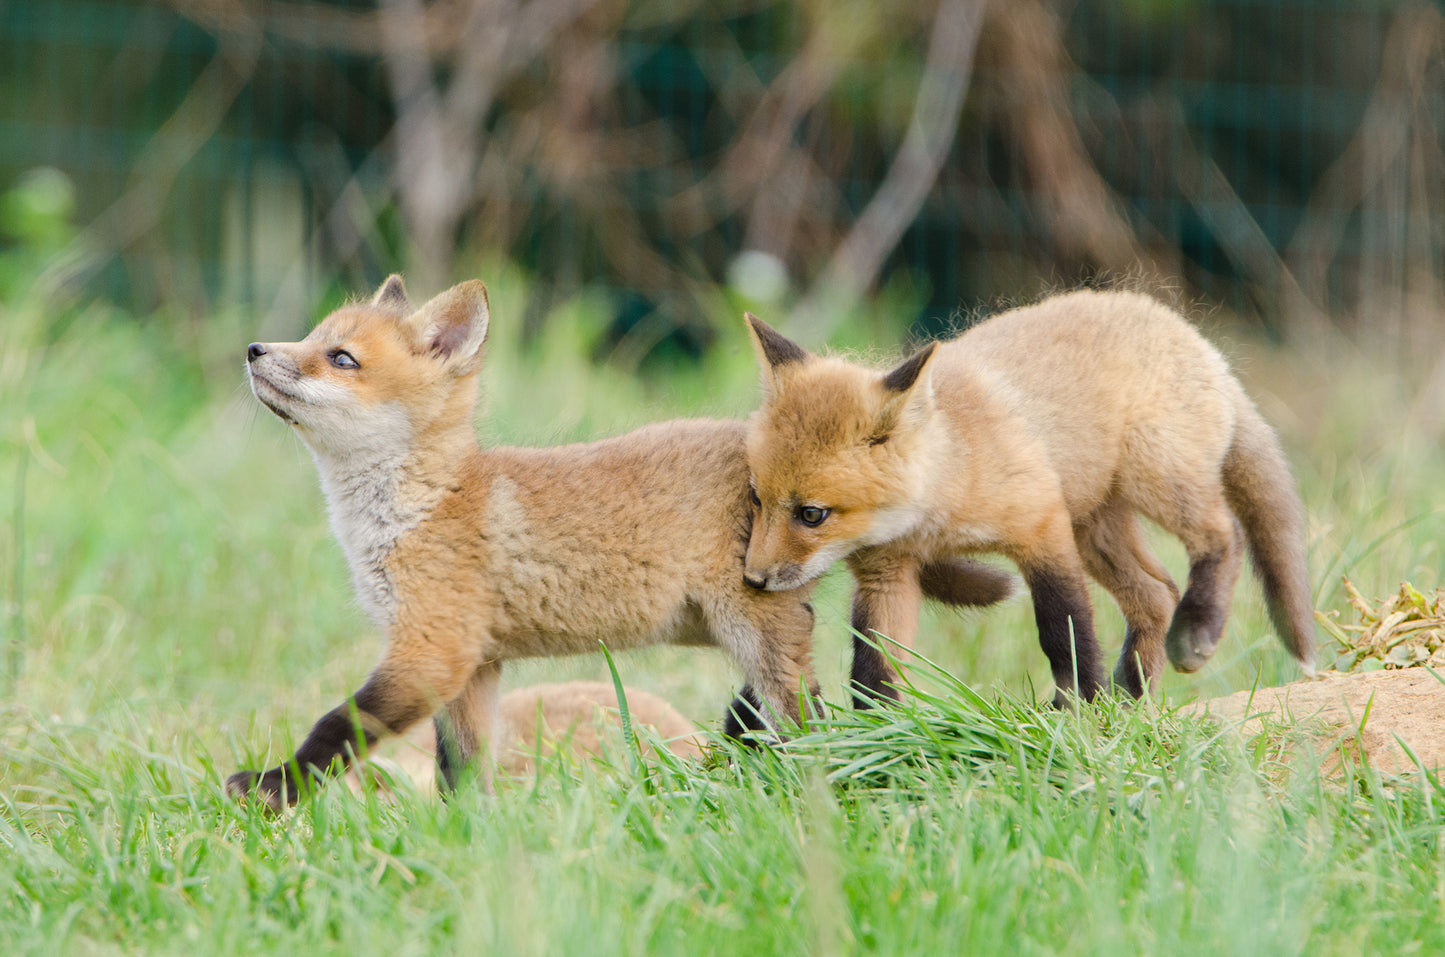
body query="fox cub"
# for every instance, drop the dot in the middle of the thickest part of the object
(469, 557)
(1040, 433)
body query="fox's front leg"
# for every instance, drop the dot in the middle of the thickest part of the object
(886, 598)
(466, 728)
(773, 640)
(404, 689)
(889, 602)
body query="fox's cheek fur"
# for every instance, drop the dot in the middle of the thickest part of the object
(892, 523)
(345, 428)
(328, 414)
(811, 568)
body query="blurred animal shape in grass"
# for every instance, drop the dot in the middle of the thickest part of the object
(581, 720)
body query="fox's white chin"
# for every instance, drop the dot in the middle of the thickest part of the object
(271, 397)
(796, 576)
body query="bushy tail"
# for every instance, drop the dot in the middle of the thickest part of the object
(964, 583)
(1261, 492)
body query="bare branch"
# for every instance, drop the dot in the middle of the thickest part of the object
(439, 133)
(856, 263)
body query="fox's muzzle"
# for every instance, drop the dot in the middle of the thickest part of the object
(758, 572)
(764, 575)
(785, 579)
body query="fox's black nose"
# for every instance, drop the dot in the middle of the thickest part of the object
(255, 351)
(758, 583)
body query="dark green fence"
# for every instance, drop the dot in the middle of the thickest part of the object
(1280, 157)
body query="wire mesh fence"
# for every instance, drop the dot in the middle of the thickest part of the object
(1285, 158)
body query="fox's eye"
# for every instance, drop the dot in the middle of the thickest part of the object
(343, 360)
(753, 497)
(811, 515)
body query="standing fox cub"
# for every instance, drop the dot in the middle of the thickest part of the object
(1039, 433)
(467, 557)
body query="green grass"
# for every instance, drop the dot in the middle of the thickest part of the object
(174, 608)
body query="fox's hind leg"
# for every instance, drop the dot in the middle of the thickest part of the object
(1212, 537)
(1114, 555)
(466, 727)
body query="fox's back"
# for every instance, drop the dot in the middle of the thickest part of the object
(1104, 381)
(618, 540)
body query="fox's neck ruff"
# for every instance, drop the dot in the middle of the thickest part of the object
(375, 497)
(933, 457)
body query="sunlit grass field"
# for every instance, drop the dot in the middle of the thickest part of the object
(174, 608)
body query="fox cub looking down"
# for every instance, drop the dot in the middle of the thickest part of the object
(467, 558)
(1039, 433)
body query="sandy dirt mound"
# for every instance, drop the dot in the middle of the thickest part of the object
(578, 716)
(1405, 705)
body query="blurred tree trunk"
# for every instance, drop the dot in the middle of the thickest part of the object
(440, 128)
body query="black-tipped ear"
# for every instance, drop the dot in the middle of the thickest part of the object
(392, 296)
(901, 379)
(773, 347)
(907, 396)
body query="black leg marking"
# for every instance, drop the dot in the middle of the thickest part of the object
(749, 715)
(449, 753)
(1128, 673)
(744, 715)
(1066, 629)
(330, 748)
(873, 677)
(1199, 618)
(335, 741)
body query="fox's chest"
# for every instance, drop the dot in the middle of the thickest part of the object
(367, 546)
(369, 519)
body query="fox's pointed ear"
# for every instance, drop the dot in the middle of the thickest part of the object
(907, 373)
(907, 395)
(453, 325)
(776, 352)
(392, 296)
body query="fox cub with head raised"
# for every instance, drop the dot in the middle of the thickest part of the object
(1040, 433)
(467, 558)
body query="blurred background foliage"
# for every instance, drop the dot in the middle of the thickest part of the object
(1283, 159)
(179, 178)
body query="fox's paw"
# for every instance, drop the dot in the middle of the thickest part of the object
(1130, 679)
(1190, 646)
(752, 722)
(744, 721)
(867, 696)
(253, 787)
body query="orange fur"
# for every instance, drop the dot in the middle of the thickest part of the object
(469, 557)
(1039, 434)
